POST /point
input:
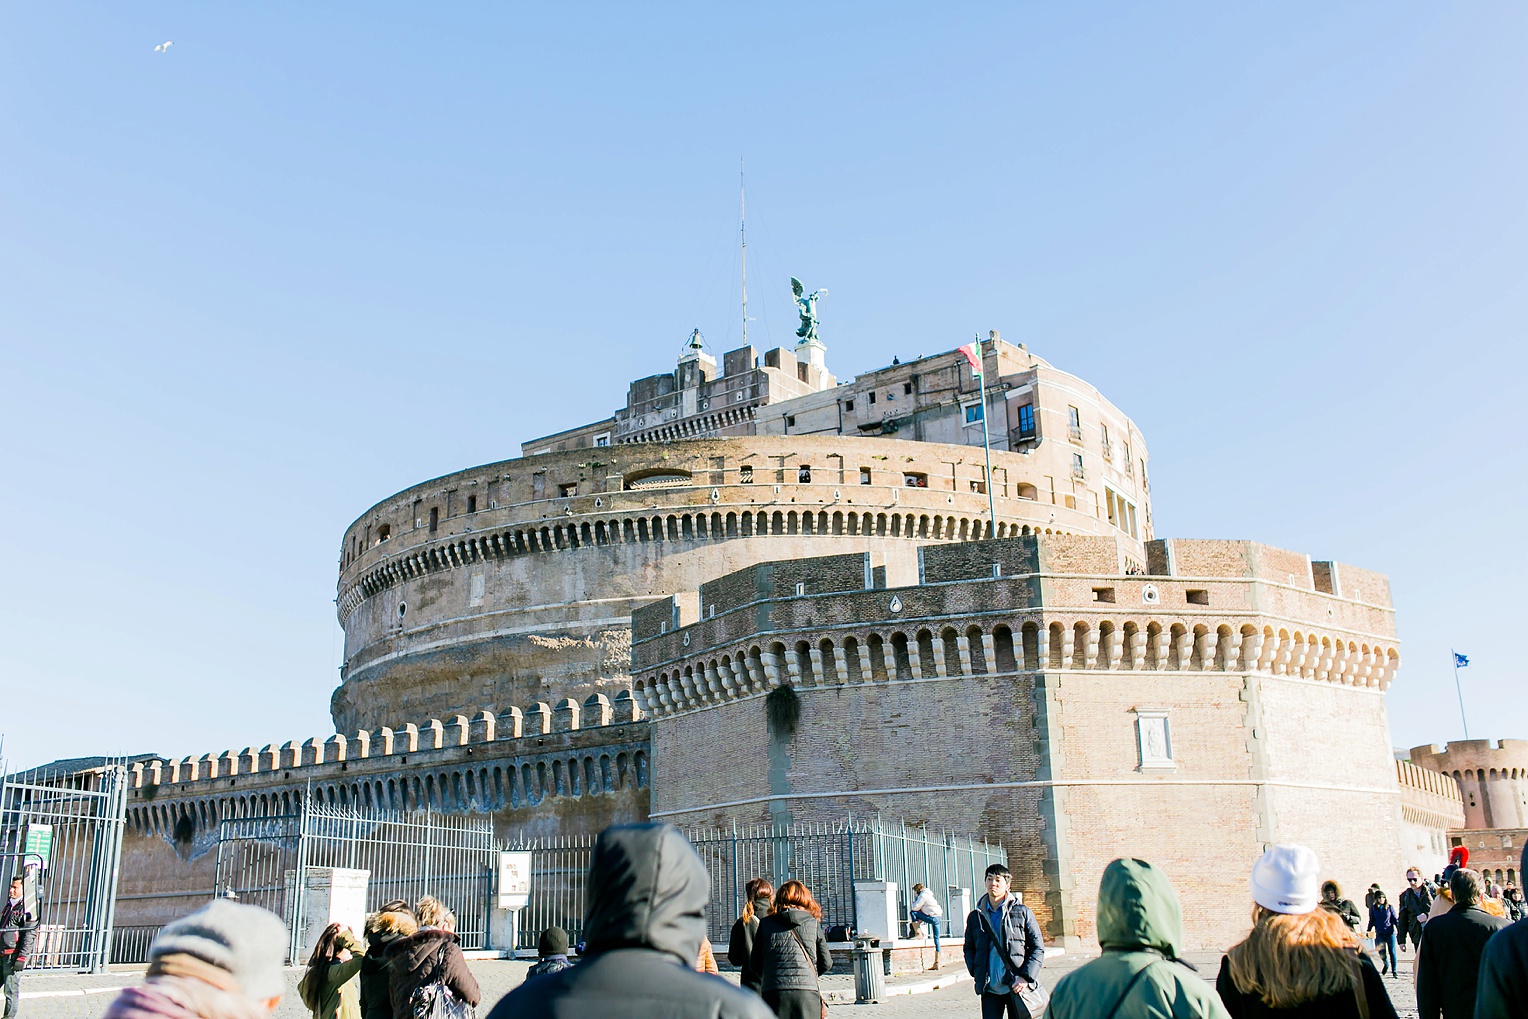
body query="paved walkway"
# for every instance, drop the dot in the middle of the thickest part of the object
(77, 996)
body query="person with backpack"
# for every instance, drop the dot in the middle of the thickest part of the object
(428, 976)
(331, 987)
(790, 951)
(1139, 975)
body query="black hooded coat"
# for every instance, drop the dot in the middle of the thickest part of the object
(648, 892)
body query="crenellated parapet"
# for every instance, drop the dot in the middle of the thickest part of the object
(486, 761)
(1019, 605)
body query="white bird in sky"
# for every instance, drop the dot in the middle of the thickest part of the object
(163, 47)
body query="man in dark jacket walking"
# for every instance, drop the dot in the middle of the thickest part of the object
(1416, 904)
(1448, 962)
(18, 928)
(1003, 966)
(1502, 990)
(646, 916)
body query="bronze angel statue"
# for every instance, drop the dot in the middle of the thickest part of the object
(806, 307)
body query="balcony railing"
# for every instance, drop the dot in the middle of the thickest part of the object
(1076, 434)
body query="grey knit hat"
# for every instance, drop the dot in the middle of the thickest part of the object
(247, 941)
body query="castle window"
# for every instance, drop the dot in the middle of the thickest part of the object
(915, 480)
(1074, 423)
(849, 406)
(1029, 492)
(1027, 421)
(1197, 597)
(790, 421)
(1154, 740)
(745, 474)
(804, 474)
(907, 388)
(471, 504)
(872, 399)
(864, 475)
(1103, 594)
(434, 519)
(384, 532)
(568, 490)
(979, 486)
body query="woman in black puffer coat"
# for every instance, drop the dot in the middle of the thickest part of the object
(790, 952)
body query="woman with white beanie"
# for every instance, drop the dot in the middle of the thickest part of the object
(1299, 960)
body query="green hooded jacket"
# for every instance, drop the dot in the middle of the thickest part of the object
(1140, 928)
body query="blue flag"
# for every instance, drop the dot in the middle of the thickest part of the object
(1460, 661)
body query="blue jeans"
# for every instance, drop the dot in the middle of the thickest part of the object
(918, 916)
(1386, 948)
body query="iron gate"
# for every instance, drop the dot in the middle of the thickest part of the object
(827, 857)
(265, 861)
(62, 830)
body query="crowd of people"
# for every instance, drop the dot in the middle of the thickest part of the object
(646, 955)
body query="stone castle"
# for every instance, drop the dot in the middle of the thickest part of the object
(597, 630)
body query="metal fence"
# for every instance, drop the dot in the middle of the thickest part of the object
(827, 857)
(266, 861)
(61, 830)
(131, 944)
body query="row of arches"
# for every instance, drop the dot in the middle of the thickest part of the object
(480, 789)
(938, 652)
(692, 526)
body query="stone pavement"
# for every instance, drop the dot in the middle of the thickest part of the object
(77, 996)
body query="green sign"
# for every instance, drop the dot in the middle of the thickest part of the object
(39, 842)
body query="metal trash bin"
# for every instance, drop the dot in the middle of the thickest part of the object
(869, 976)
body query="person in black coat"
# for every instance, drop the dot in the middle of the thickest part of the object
(1416, 904)
(1502, 990)
(1448, 962)
(790, 951)
(648, 892)
(761, 896)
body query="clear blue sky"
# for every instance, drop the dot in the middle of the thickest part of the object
(316, 253)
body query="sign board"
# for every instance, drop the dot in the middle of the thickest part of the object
(39, 842)
(514, 879)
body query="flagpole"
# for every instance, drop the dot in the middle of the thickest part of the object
(981, 381)
(1460, 690)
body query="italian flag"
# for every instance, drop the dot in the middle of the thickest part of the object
(973, 356)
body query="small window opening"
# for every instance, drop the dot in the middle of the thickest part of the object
(804, 474)
(745, 474)
(1027, 421)
(872, 399)
(790, 421)
(849, 406)
(907, 388)
(800, 587)
(1103, 594)
(568, 490)
(434, 519)
(915, 480)
(384, 532)
(471, 504)
(864, 475)
(1197, 597)
(979, 486)
(973, 413)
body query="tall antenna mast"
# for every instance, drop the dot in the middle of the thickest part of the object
(742, 225)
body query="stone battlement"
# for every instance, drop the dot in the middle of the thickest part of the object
(537, 720)
(1022, 604)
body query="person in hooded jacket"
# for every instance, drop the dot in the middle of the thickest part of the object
(1501, 990)
(790, 951)
(761, 896)
(1333, 902)
(647, 895)
(1139, 974)
(393, 921)
(1300, 960)
(431, 955)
